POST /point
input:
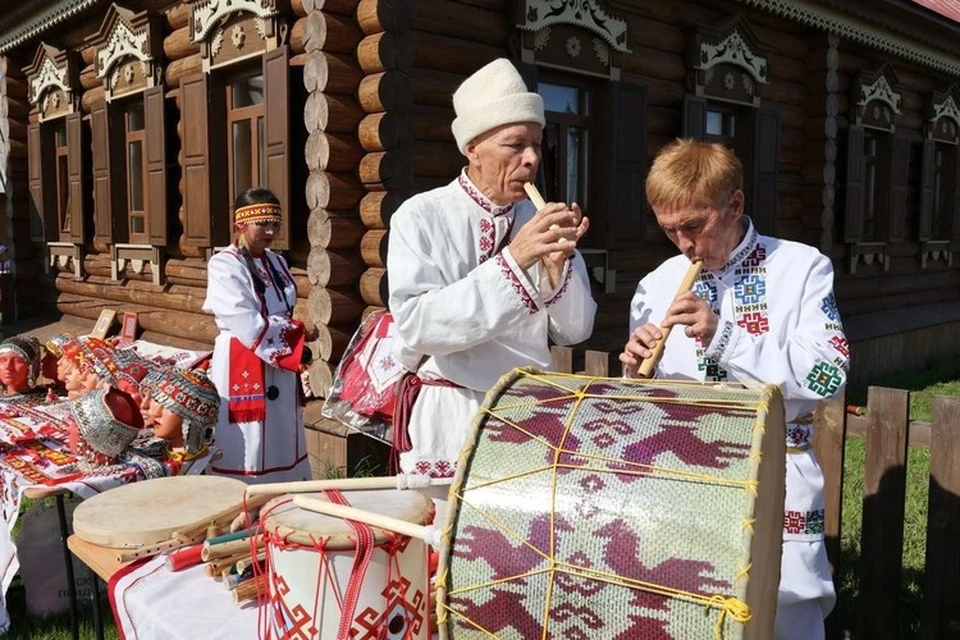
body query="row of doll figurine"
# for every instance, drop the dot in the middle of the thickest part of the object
(113, 393)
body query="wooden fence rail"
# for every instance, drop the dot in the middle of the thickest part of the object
(888, 432)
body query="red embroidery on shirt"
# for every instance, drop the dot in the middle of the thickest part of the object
(528, 300)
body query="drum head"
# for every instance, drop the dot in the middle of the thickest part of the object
(286, 519)
(149, 512)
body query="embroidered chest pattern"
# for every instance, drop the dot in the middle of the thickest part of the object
(706, 289)
(750, 293)
(488, 237)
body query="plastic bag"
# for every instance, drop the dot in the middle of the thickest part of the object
(363, 395)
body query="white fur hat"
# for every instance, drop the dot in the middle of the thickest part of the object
(493, 96)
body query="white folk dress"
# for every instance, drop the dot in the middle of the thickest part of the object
(779, 324)
(471, 310)
(273, 449)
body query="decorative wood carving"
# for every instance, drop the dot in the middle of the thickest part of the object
(727, 62)
(943, 115)
(231, 30)
(830, 145)
(876, 98)
(53, 82)
(578, 35)
(128, 51)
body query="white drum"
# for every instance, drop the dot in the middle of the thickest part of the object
(314, 565)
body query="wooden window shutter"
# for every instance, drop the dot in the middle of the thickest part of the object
(955, 202)
(853, 201)
(75, 176)
(102, 194)
(900, 166)
(196, 165)
(694, 117)
(927, 173)
(629, 195)
(764, 202)
(35, 175)
(276, 81)
(156, 156)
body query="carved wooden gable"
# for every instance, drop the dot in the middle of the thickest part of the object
(232, 30)
(876, 98)
(943, 115)
(128, 51)
(53, 82)
(577, 35)
(727, 62)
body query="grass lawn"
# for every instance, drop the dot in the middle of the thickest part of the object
(938, 379)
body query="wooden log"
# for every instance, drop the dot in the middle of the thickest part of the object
(191, 65)
(330, 32)
(177, 16)
(92, 97)
(446, 53)
(432, 123)
(437, 159)
(330, 151)
(464, 22)
(392, 169)
(369, 311)
(298, 37)
(375, 16)
(334, 267)
(178, 297)
(385, 91)
(333, 306)
(331, 112)
(884, 492)
(665, 36)
(335, 191)
(331, 73)
(343, 7)
(88, 78)
(384, 131)
(178, 45)
(333, 341)
(88, 54)
(16, 109)
(384, 51)
(373, 248)
(654, 63)
(942, 582)
(191, 326)
(321, 377)
(374, 288)
(334, 230)
(433, 87)
(377, 207)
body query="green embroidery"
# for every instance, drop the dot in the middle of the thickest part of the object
(824, 379)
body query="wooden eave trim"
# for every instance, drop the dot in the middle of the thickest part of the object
(850, 28)
(51, 16)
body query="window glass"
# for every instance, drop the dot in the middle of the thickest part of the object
(560, 98)
(135, 116)
(242, 157)
(135, 158)
(247, 92)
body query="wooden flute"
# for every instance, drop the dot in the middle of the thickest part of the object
(649, 365)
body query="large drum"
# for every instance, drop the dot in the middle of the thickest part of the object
(618, 509)
(314, 564)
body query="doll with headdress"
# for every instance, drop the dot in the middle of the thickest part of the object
(104, 422)
(19, 364)
(50, 365)
(181, 406)
(87, 363)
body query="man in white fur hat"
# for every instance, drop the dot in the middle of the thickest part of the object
(480, 280)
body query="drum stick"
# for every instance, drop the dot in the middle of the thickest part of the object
(244, 563)
(216, 566)
(225, 517)
(249, 589)
(230, 537)
(401, 481)
(430, 535)
(649, 365)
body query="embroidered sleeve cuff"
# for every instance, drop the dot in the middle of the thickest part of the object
(518, 280)
(290, 355)
(554, 296)
(723, 341)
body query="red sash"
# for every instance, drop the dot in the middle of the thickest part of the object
(246, 402)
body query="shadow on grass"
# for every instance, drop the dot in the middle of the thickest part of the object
(54, 627)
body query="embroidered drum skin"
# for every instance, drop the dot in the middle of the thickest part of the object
(589, 507)
(311, 558)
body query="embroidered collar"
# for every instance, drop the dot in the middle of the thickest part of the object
(477, 196)
(743, 250)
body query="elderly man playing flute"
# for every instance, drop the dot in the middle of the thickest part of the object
(762, 310)
(480, 278)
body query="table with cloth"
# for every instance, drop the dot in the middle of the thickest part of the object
(36, 461)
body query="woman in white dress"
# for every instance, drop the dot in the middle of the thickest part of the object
(257, 356)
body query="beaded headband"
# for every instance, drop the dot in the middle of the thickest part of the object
(28, 348)
(263, 212)
(190, 395)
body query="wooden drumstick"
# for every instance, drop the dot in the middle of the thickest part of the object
(649, 365)
(429, 534)
(401, 481)
(224, 518)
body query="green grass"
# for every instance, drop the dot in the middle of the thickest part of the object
(937, 379)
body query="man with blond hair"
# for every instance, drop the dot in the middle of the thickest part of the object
(480, 280)
(762, 311)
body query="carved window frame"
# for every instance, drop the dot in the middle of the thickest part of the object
(941, 159)
(128, 50)
(53, 89)
(222, 29)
